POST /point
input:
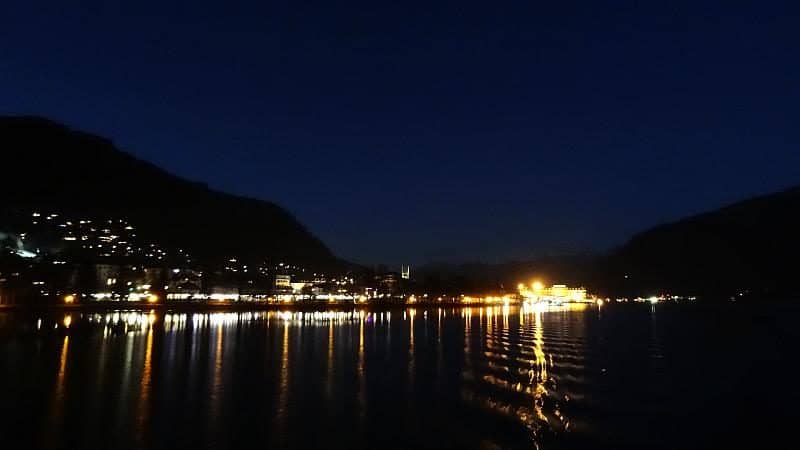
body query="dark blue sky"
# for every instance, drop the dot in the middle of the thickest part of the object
(439, 130)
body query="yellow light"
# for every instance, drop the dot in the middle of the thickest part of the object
(69, 298)
(67, 320)
(599, 302)
(152, 298)
(538, 286)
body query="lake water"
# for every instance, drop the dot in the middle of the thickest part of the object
(617, 376)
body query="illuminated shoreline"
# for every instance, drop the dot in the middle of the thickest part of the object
(266, 306)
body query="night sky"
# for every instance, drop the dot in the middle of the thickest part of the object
(433, 131)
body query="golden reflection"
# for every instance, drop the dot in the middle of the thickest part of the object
(147, 366)
(467, 331)
(216, 383)
(411, 314)
(283, 396)
(144, 387)
(57, 407)
(362, 388)
(62, 366)
(511, 357)
(539, 372)
(361, 347)
(329, 380)
(411, 354)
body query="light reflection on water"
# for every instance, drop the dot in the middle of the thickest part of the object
(508, 367)
(473, 377)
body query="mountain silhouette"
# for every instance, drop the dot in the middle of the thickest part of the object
(49, 167)
(749, 248)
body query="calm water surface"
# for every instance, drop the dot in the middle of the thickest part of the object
(618, 376)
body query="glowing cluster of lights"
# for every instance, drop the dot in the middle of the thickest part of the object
(557, 293)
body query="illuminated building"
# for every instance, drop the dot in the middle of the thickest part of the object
(283, 284)
(557, 293)
(283, 281)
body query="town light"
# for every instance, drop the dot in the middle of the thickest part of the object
(537, 285)
(152, 298)
(69, 299)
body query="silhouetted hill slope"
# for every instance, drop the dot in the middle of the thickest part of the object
(750, 246)
(53, 168)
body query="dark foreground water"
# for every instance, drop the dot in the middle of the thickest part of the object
(620, 376)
